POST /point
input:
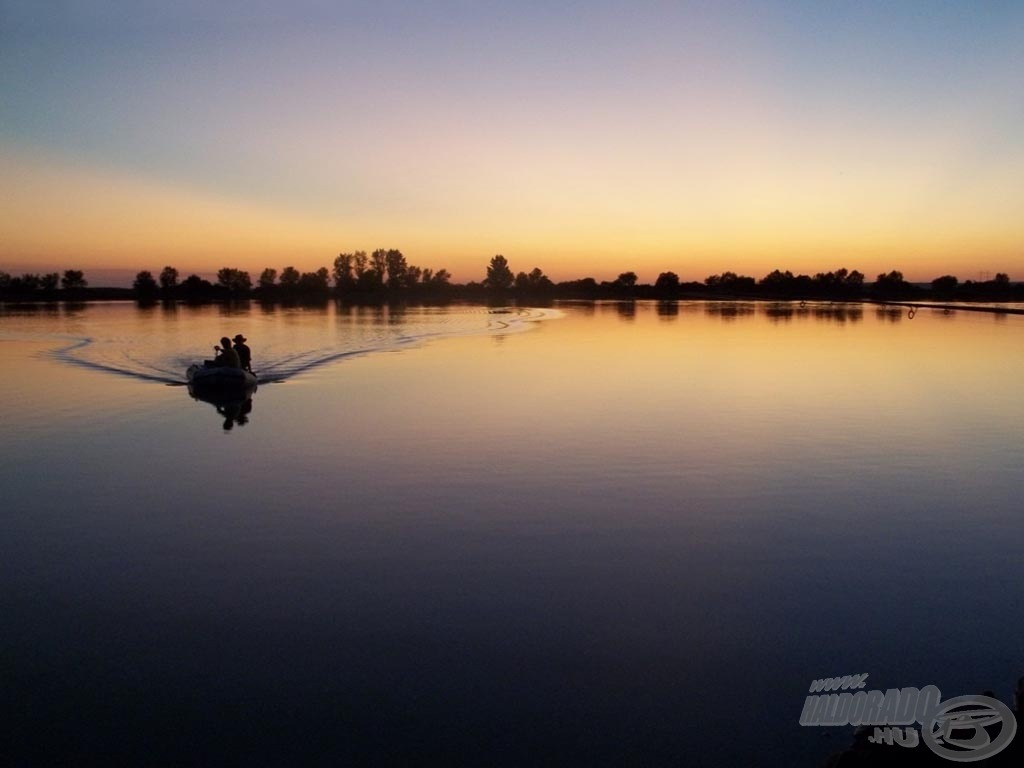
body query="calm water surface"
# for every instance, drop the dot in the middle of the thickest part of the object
(598, 534)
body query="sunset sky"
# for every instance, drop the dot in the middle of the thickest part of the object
(586, 138)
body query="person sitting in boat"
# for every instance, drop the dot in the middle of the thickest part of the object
(226, 356)
(244, 353)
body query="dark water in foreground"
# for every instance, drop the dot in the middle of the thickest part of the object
(596, 535)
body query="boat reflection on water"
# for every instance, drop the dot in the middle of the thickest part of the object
(233, 406)
(227, 389)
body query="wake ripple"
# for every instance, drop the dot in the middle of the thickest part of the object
(136, 370)
(134, 357)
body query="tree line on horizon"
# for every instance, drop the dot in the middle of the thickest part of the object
(47, 284)
(386, 275)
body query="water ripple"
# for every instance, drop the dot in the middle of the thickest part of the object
(157, 353)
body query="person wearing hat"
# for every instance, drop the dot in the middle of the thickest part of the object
(226, 356)
(244, 353)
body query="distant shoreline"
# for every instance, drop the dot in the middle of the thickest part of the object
(126, 295)
(386, 277)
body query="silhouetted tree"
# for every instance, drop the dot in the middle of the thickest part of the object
(168, 280)
(895, 277)
(360, 263)
(436, 282)
(370, 280)
(289, 279)
(344, 272)
(714, 281)
(5, 280)
(829, 281)
(891, 285)
(73, 280)
(777, 282)
(626, 280)
(195, 288)
(534, 282)
(441, 277)
(236, 281)
(730, 282)
(667, 281)
(379, 263)
(396, 267)
(998, 288)
(48, 282)
(27, 283)
(315, 283)
(268, 281)
(841, 284)
(499, 276)
(584, 288)
(146, 288)
(412, 277)
(266, 286)
(945, 286)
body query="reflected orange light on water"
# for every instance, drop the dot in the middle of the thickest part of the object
(714, 375)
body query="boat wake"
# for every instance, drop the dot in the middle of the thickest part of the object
(78, 354)
(284, 350)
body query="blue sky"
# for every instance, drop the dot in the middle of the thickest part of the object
(574, 136)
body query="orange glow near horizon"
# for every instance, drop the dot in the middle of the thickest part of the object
(69, 216)
(584, 141)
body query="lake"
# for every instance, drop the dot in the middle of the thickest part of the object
(591, 534)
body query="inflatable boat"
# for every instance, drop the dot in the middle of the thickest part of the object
(219, 379)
